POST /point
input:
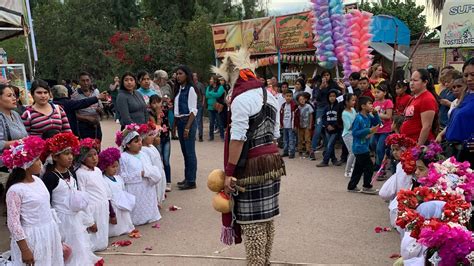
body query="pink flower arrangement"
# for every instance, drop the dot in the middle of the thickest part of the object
(452, 241)
(107, 157)
(121, 134)
(23, 152)
(450, 176)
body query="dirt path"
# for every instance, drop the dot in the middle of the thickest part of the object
(320, 222)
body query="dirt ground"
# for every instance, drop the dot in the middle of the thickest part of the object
(320, 222)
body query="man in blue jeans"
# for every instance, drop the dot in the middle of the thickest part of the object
(201, 93)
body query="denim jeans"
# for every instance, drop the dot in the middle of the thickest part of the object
(289, 141)
(329, 153)
(199, 121)
(165, 152)
(214, 118)
(188, 148)
(378, 144)
(318, 128)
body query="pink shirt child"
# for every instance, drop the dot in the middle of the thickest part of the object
(382, 107)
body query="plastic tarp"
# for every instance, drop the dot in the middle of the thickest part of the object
(387, 51)
(11, 14)
(384, 28)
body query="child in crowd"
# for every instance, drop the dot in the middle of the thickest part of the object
(402, 88)
(159, 113)
(348, 116)
(149, 133)
(62, 186)
(364, 73)
(91, 181)
(35, 234)
(122, 201)
(305, 125)
(384, 107)
(354, 84)
(365, 125)
(398, 144)
(330, 124)
(365, 89)
(289, 121)
(139, 179)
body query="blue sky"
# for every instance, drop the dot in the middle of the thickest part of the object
(281, 7)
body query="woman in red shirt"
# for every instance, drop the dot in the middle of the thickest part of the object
(403, 91)
(420, 114)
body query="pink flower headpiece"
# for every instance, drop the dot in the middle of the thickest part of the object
(107, 157)
(450, 176)
(122, 138)
(23, 153)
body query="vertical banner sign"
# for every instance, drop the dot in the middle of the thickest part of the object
(457, 29)
(294, 33)
(259, 35)
(227, 37)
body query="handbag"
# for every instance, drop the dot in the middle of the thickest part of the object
(78, 200)
(218, 107)
(124, 201)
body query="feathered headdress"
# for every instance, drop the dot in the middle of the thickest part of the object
(107, 157)
(23, 153)
(232, 64)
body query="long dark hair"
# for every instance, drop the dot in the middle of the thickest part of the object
(425, 76)
(384, 87)
(141, 74)
(39, 83)
(17, 175)
(122, 85)
(189, 77)
(469, 62)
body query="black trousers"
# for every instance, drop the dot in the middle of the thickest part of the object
(363, 165)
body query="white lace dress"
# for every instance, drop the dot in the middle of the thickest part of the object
(92, 182)
(124, 221)
(72, 228)
(155, 159)
(144, 188)
(30, 218)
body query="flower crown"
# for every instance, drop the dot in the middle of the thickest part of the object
(452, 242)
(23, 152)
(456, 209)
(107, 157)
(62, 141)
(430, 153)
(450, 176)
(121, 138)
(400, 140)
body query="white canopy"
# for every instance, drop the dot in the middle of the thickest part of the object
(11, 16)
(387, 51)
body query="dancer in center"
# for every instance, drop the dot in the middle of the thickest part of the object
(251, 156)
(140, 179)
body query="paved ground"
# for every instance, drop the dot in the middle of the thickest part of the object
(320, 222)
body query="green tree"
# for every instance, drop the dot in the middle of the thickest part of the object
(125, 14)
(406, 10)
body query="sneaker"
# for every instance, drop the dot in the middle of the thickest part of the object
(168, 187)
(284, 154)
(201, 140)
(311, 157)
(180, 183)
(370, 191)
(354, 190)
(187, 186)
(337, 163)
(322, 164)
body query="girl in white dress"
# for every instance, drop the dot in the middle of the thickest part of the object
(35, 238)
(91, 181)
(149, 134)
(62, 186)
(109, 164)
(139, 176)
